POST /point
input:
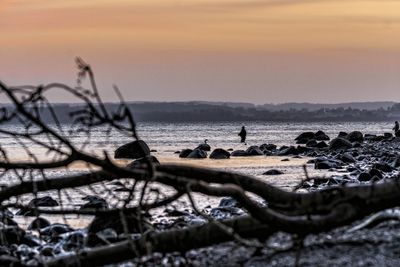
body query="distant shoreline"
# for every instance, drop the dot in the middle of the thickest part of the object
(225, 112)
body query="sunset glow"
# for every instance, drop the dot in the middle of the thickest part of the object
(116, 36)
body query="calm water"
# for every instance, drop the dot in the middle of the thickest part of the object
(167, 138)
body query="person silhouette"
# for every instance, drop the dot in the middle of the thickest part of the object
(396, 128)
(242, 135)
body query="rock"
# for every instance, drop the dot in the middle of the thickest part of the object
(355, 136)
(321, 144)
(228, 202)
(177, 152)
(302, 141)
(184, 153)
(171, 212)
(268, 147)
(38, 223)
(254, 151)
(133, 150)
(32, 240)
(47, 251)
(388, 135)
(113, 221)
(321, 136)
(346, 157)
(342, 134)
(6, 217)
(204, 146)
(222, 213)
(238, 153)
(364, 177)
(340, 143)
(46, 201)
(138, 163)
(230, 149)
(311, 143)
(305, 135)
(197, 154)
(11, 235)
(273, 172)
(369, 137)
(220, 153)
(382, 167)
(288, 151)
(375, 172)
(73, 241)
(55, 230)
(323, 163)
(94, 202)
(303, 150)
(286, 159)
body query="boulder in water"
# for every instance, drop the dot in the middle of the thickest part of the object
(254, 151)
(197, 154)
(239, 153)
(321, 144)
(268, 147)
(220, 153)
(184, 153)
(305, 135)
(321, 136)
(204, 146)
(133, 150)
(312, 143)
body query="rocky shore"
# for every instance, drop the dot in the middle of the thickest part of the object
(359, 158)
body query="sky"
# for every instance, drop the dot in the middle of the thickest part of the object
(258, 51)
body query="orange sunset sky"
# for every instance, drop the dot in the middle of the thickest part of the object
(258, 51)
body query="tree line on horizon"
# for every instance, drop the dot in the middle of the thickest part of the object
(206, 112)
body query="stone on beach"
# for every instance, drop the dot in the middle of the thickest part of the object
(239, 153)
(340, 143)
(355, 136)
(220, 153)
(133, 150)
(197, 154)
(254, 151)
(273, 172)
(185, 152)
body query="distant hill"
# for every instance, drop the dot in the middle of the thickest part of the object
(316, 106)
(204, 111)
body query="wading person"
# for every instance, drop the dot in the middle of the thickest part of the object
(396, 128)
(242, 135)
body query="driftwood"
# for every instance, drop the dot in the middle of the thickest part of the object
(295, 213)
